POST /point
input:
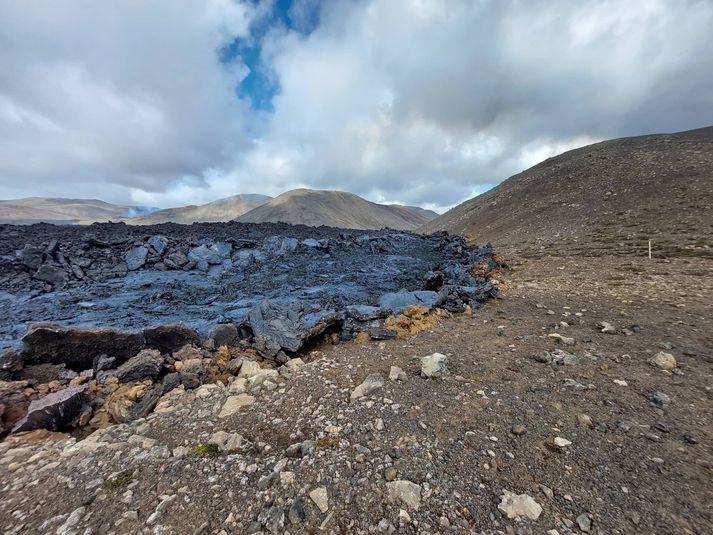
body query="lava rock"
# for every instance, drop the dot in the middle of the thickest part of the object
(136, 258)
(171, 337)
(50, 274)
(158, 244)
(146, 365)
(223, 334)
(77, 347)
(57, 411)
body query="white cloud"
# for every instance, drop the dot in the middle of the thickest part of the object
(421, 101)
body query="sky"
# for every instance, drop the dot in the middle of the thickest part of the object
(421, 102)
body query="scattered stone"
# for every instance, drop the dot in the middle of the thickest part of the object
(320, 498)
(562, 339)
(660, 399)
(620, 382)
(433, 365)
(606, 327)
(584, 521)
(585, 420)
(518, 429)
(404, 491)
(390, 474)
(397, 374)
(663, 361)
(373, 382)
(561, 442)
(234, 404)
(296, 513)
(519, 505)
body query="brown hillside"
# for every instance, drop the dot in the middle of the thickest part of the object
(335, 209)
(607, 198)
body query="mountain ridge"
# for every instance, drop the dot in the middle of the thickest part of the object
(335, 209)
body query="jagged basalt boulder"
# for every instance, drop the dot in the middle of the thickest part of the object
(170, 338)
(146, 365)
(57, 411)
(78, 347)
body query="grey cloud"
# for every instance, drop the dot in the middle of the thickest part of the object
(419, 102)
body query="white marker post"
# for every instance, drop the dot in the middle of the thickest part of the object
(649, 249)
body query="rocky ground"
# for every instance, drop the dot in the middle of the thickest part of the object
(547, 415)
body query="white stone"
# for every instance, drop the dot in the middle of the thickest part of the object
(433, 365)
(397, 374)
(372, 383)
(561, 442)
(234, 403)
(320, 498)
(249, 368)
(519, 505)
(664, 361)
(405, 492)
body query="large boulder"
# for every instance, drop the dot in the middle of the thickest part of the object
(136, 258)
(57, 411)
(77, 347)
(204, 257)
(171, 337)
(146, 365)
(50, 274)
(279, 327)
(30, 256)
(223, 334)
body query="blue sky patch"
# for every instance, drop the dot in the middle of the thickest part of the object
(258, 87)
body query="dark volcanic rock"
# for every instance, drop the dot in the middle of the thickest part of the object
(135, 258)
(315, 281)
(31, 257)
(146, 365)
(10, 363)
(78, 347)
(381, 333)
(57, 411)
(170, 338)
(13, 404)
(51, 274)
(223, 334)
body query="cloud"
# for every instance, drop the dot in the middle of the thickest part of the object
(423, 101)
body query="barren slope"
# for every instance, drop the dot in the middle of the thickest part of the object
(57, 210)
(213, 212)
(335, 209)
(610, 197)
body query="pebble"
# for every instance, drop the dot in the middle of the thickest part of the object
(371, 384)
(584, 522)
(397, 374)
(518, 429)
(320, 498)
(663, 361)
